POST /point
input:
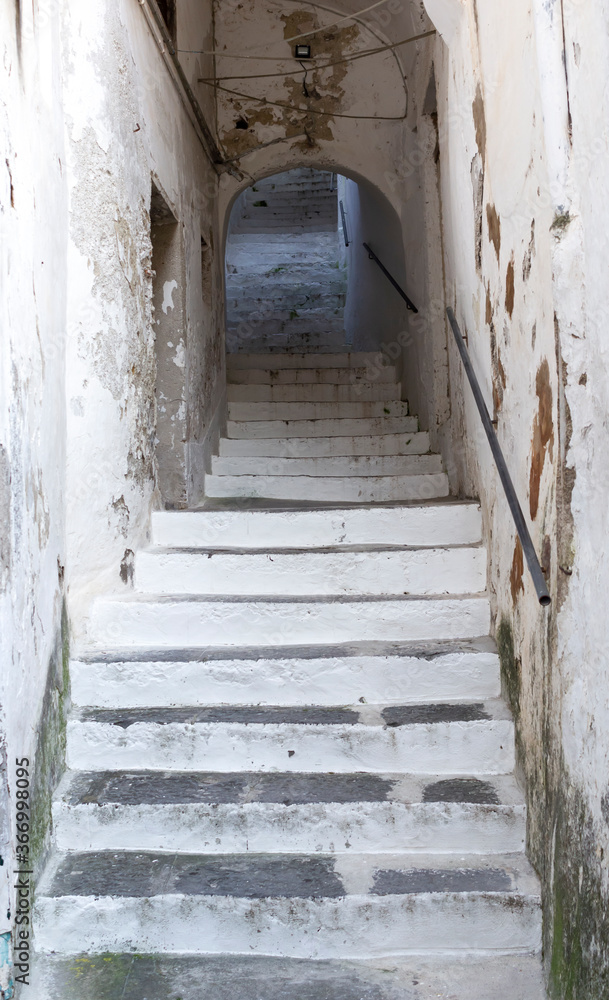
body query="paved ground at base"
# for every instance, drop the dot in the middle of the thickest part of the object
(136, 977)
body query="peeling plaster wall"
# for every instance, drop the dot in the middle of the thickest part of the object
(126, 122)
(33, 238)
(523, 166)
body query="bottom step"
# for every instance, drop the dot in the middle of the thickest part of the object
(293, 906)
(133, 977)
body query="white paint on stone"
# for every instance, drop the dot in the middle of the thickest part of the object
(270, 828)
(424, 571)
(168, 289)
(354, 926)
(172, 622)
(371, 677)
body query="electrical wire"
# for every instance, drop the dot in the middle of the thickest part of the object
(336, 62)
(347, 17)
(305, 34)
(310, 111)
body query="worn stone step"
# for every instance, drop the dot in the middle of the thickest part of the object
(448, 523)
(274, 328)
(349, 906)
(280, 339)
(287, 813)
(345, 489)
(319, 447)
(104, 977)
(139, 620)
(317, 411)
(315, 376)
(335, 428)
(353, 359)
(280, 226)
(359, 673)
(444, 738)
(356, 570)
(344, 466)
(322, 393)
(451, 522)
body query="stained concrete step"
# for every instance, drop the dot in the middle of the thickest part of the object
(104, 977)
(359, 673)
(445, 523)
(312, 572)
(316, 411)
(339, 428)
(319, 447)
(300, 906)
(315, 376)
(344, 466)
(287, 813)
(356, 489)
(321, 393)
(161, 622)
(266, 225)
(445, 738)
(353, 359)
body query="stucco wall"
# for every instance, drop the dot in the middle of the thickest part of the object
(33, 234)
(126, 121)
(522, 163)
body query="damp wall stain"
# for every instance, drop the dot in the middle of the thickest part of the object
(494, 228)
(543, 435)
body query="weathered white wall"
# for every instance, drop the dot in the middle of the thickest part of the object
(126, 122)
(523, 167)
(33, 237)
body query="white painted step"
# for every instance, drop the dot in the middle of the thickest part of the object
(316, 411)
(446, 523)
(270, 814)
(344, 466)
(319, 447)
(337, 427)
(367, 673)
(352, 489)
(476, 739)
(460, 570)
(322, 393)
(173, 622)
(354, 359)
(460, 977)
(351, 921)
(314, 376)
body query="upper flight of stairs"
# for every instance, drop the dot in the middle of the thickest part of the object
(285, 280)
(300, 429)
(288, 739)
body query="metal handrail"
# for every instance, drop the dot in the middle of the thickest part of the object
(344, 222)
(409, 303)
(506, 480)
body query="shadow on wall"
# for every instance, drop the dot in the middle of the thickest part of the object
(375, 314)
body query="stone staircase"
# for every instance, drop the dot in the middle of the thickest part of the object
(285, 279)
(288, 743)
(297, 200)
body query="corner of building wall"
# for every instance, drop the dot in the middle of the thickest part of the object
(200, 452)
(50, 750)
